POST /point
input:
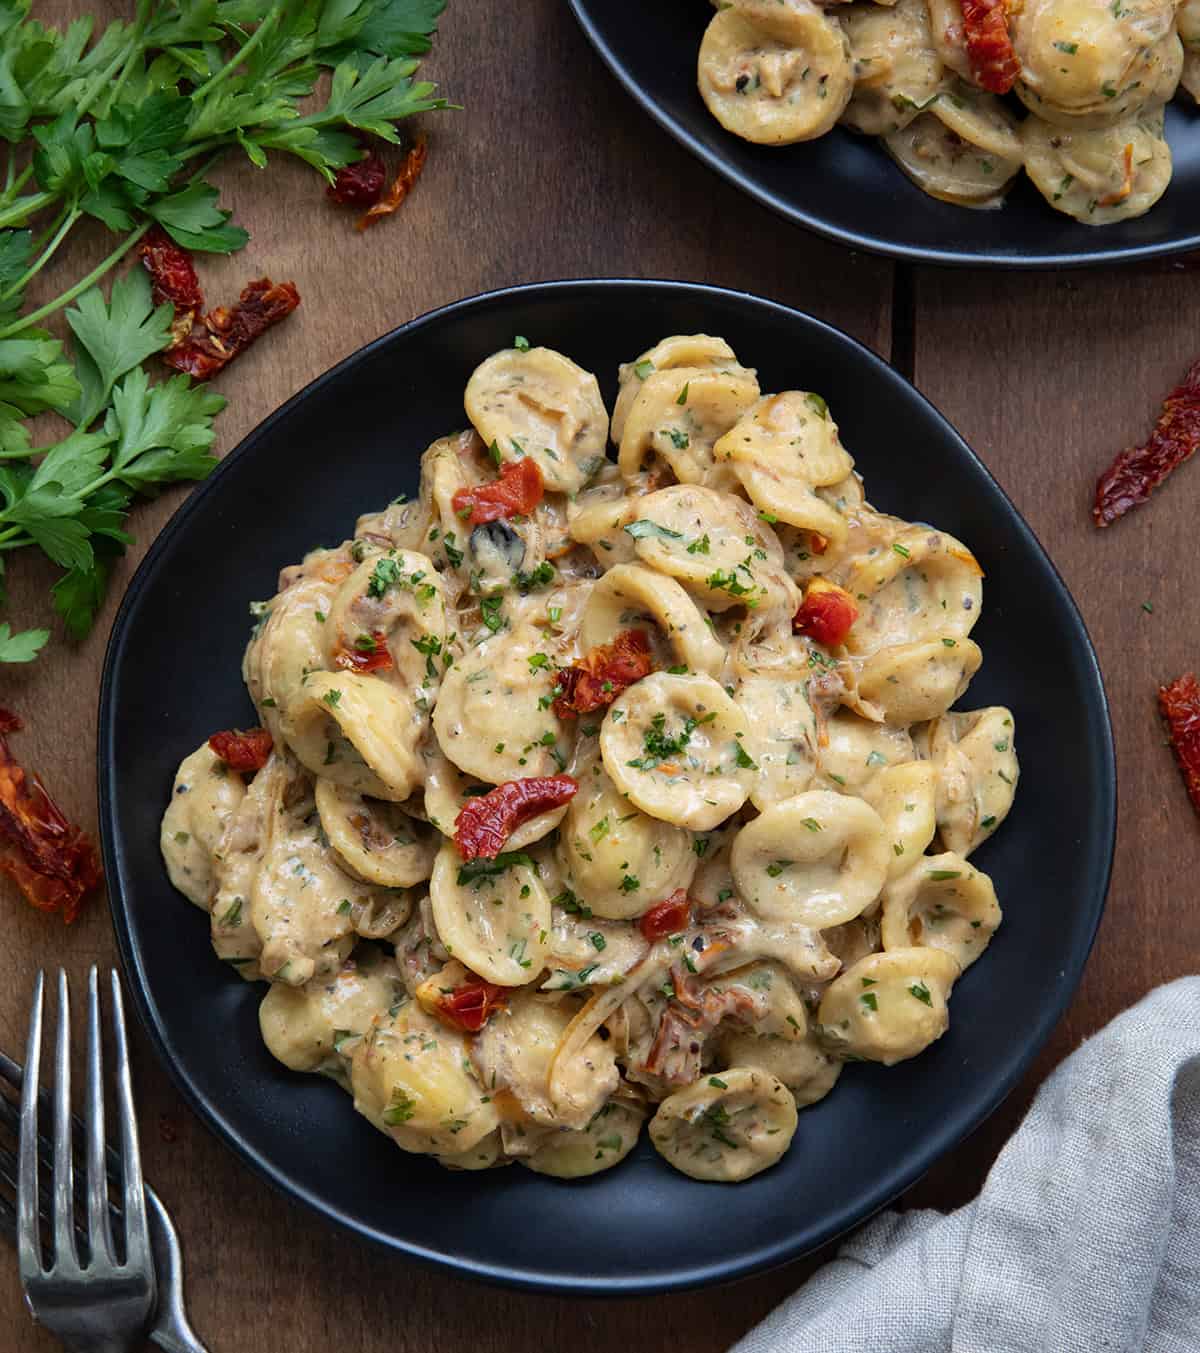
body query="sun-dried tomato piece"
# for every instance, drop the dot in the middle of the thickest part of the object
(1136, 473)
(667, 918)
(244, 750)
(515, 492)
(410, 172)
(826, 613)
(359, 184)
(817, 543)
(173, 280)
(369, 654)
(486, 822)
(225, 333)
(1179, 704)
(50, 859)
(470, 1006)
(603, 673)
(989, 47)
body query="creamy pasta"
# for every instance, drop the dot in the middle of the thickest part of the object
(1084, 119)
(598, 791)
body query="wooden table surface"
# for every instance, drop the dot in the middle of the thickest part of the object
(550, 172)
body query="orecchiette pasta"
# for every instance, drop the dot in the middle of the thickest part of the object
(819, 859)
(675, 747)
(568, 821)
(538, 403)
(974, 758)
(1093, 76)
(679, 414)
(204, 797)
(771, 91)
(889, 1007)
(944, 903)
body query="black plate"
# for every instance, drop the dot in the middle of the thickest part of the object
(846, 187)
(351, 441)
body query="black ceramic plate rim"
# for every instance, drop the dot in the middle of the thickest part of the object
(875, 244)
(955, 1129)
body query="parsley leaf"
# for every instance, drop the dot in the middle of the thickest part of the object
(22, 647)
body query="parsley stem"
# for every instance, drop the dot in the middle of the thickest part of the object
(106, 263)
(135, 50)
(12, 539)
(99, 82)
(25, 207)
(66, 221)
(238, 58)
(14, 182)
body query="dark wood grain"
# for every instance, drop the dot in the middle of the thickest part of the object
(1048, 376)
(548, 172)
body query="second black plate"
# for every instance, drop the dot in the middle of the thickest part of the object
(846, 187)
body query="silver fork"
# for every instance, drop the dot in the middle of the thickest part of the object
(105, 1306)
(171, 1330)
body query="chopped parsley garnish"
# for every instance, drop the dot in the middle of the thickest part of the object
(812, 824)
(491, 609)
(568, 901)
(538, 577)
(474, 870)
(630, 883)
(683, 394)
(945, 873)
(400, 1110)
(700, 546)
(385, 574)
(454, 556)
(642, 528)
(726, 580)
(902, 550)
(921, 992)
(660, 746)
(521, 343)
(430, 646)
(870, 1000)
(817, 404)
(717, 1083)
(643, 368)
(598, 941)
(332, 698)
(742, 759)
(679, 439)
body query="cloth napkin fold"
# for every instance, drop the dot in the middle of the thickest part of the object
(1086, 1236)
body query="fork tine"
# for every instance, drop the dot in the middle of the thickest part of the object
(29, 1241)
(137, 1238)
(64, 1157)
(99, 1232)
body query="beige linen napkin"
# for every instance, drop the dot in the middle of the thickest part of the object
(1085, 1239)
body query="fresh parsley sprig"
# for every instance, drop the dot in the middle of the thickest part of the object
(120, 128)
